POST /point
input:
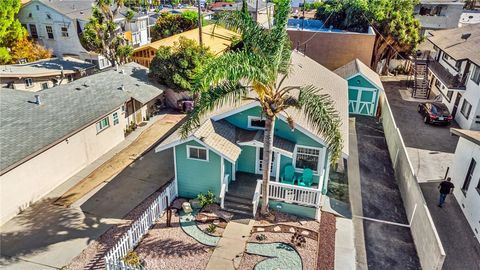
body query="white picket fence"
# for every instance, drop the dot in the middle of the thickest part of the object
(128, 241)
(293, 194)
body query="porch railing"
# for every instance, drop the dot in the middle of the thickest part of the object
(293, 194)
(256, 197)
(223, 190)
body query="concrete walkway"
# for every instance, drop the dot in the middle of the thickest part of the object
(230, 248)
(344, 245)
(48, 236)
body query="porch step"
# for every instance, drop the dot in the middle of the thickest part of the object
(238, 208)
(235, 198)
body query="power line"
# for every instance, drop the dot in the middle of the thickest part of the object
(323, 24)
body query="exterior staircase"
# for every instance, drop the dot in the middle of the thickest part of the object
(421, 88)
(238, 199)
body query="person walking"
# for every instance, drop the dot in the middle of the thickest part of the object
(446, 187)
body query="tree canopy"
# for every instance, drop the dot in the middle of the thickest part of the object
(14, 43)
(104, 36)
(397, 29)
(169, 24)
(176, 66)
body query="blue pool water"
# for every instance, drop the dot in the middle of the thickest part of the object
(310, 25)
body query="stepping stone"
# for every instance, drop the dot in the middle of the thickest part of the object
(302, 222)
(277, 229)
(292, 230)
(260, 229)
(305, 233)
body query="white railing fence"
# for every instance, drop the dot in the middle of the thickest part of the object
(128, 241)
(256, 197)
(293, 194)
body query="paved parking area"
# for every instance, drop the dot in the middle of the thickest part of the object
(388, 244)
(430, 147)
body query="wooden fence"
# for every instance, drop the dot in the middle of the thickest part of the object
(114, 257)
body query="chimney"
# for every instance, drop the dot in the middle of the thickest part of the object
(37, 100)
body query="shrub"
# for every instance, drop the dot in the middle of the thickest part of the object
(261, 237)
(206, 199)
(169, 24)
(132, 259)
(211, 228)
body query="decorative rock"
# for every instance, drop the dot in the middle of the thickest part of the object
(195, 203)
(277, 229)
(260, 229)
(302, 222)
(292, 230)
(305, 233)
(216, 222)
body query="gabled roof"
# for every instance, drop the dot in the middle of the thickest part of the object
(305, 71)
(217, 38)
(358, 67)
(459, 43)
(45, 67)
(27, 128)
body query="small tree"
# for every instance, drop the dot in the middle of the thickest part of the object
(169, 24)
(103, 35)
(175, 66)
(28, 50)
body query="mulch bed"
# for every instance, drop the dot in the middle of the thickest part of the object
(326, 242)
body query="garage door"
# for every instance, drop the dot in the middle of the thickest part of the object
(362, 101)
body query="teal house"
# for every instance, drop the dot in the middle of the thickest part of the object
(224, 154)
(364, 87)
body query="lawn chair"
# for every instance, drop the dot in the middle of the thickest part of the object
(288, 176)
(307, 178)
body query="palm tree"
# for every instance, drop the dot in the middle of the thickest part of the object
(256, 71)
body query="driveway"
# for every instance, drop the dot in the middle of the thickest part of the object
(430, 147)
(377, 202)
(48, 236)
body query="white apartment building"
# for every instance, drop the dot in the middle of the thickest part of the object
(57, 24)
(438, 14)
(465, 174)
(454, 72)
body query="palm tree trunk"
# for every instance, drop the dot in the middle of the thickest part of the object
(266, 163)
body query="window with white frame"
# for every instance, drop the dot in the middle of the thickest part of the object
(28, 82)
(466, 108)
(103, 124)
(64, 31)
(198, 153)
(115, 118)
(476, 75)
(307, 157)
(256, 122)
(49, 31)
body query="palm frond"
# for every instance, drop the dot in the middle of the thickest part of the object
(322, 115)
(227, 92)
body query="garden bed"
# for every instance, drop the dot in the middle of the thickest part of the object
(326, 243)
(308, 252)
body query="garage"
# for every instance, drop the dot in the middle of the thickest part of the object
(364, 87)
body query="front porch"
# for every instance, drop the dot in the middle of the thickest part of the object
(243, 196)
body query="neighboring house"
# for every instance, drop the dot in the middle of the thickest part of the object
(261, 11)
(43, 74)
(217, 38)
(57, 24)
(364, 87)
(438, 14)
(454, 72)
(469, 17)
(465, 174)
(48, 137)
(330, 47)
(225, 152)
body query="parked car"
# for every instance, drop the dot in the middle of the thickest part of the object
(435, 113)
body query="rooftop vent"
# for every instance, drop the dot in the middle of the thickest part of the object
(85, 84)
(38, 101)
(466, 36)
(122, 71)
(78, 88)
(122, 87)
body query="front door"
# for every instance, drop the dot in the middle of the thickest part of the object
(273, 168)
(362, 101)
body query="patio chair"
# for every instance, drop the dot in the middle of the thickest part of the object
(288, 176)
(307, 178)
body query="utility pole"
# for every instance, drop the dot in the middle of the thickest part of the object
(200, 24)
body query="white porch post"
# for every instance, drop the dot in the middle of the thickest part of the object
(234, 171)
(175, 167)
(277, 173)
(222, 170)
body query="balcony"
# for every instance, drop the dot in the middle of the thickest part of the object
(450, 81)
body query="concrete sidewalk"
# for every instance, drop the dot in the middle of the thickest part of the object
(230, 248)
(48, 236)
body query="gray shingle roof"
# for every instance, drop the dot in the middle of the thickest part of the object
(46, 67)
(451, 42)
(305, 71)
(356, 66)
(27, 128)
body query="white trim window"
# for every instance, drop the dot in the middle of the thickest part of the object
(476, 75)
(197, 153)
(64, 31)
(466, 108)
(28, 82)
(49, 31)
(307, 157)
(102, 124)
(115, 118)
(256, 122)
